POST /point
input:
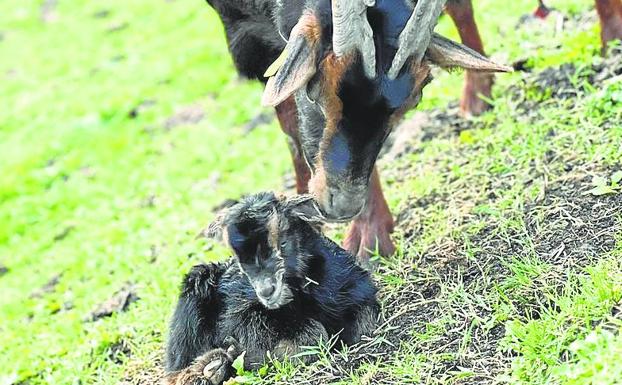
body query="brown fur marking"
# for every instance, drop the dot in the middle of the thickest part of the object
(273, 231)
(333, 69)
(309, 26)
(287, 114)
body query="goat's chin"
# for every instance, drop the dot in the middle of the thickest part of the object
(282, 298)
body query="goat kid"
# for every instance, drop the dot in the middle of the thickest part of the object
(336, 116)
(288, 286)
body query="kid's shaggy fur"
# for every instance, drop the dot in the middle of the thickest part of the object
(287, 286)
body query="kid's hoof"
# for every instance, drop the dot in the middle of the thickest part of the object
(212, 368)
(217, 371)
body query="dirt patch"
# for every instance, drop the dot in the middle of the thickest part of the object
(64, 233)
(119, 302)
(141, 108)
(571, 226)
(118, 351)
(49, 287)
(102, 14)
(188, 115)
(257, 121)
(565, 82)
(3, 270)
(146, 372)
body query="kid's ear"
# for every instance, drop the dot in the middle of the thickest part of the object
(216, 228)
(305, 208)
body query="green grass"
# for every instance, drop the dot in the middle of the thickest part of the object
(584, 300)
(101, 198)
(72, 158)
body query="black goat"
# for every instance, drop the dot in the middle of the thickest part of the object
(287, 286)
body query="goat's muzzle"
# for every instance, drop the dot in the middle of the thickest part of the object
(339, 201)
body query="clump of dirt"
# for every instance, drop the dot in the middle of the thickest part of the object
(258, 121)
(117, 351)
(145, 372)
(188, 115)
(102, 14)
(571, 226)
(119, 302)
(567, 81)
(64, 233)
(49, 286)
(141, 108)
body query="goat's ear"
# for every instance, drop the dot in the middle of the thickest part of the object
(304, 207)
(297, 64)
(449, 54)
(216, 229)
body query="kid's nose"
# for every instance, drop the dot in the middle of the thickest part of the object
(267, 290)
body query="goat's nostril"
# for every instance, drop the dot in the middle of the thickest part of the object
(331, 200)
(267, 291)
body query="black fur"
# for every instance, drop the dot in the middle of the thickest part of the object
(252, 34)
(328, 294)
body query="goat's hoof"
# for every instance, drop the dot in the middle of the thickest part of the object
(476, 86)
(216, 371)
(212, 368)
(611, 30)
(366, 238)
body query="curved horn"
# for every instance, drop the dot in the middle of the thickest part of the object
(352, 32)
(415, 38)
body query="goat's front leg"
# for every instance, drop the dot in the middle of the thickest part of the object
(309, 335)
(211, 368)
(288, 119)
(364, 324)
(373, 227)
(477, 84)
(610, 15)
(193, 327)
